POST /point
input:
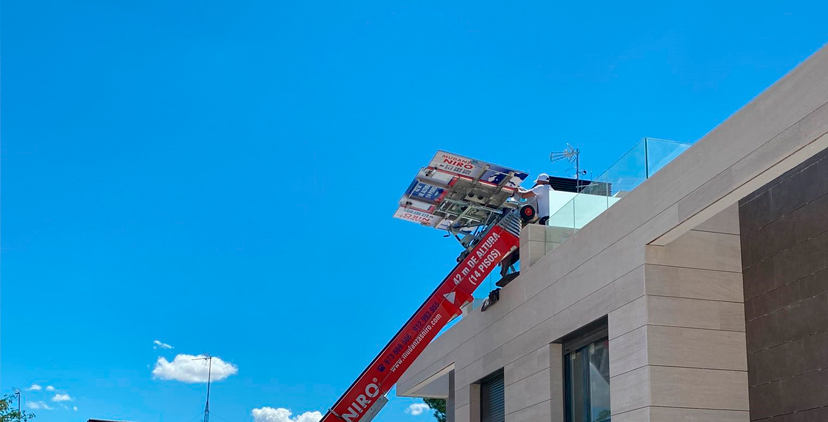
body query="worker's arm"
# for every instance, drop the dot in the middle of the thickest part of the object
(525, 193)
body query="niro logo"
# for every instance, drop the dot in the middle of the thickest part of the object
(454, 161)
(362, 402)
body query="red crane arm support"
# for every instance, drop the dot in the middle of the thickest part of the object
(443, 304)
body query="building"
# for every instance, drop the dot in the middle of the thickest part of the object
(701, 295)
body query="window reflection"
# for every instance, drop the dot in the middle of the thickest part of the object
(587, 383)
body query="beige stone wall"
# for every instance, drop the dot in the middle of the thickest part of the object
(537, 241)
(678, 352)
(534, 386)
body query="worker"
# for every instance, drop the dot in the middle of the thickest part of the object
(540, 190)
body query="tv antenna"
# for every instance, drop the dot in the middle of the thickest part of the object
(209, 360)
(572, 156)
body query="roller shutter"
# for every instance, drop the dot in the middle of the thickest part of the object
(492, 407)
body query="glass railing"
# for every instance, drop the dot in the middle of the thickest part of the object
(637, 165)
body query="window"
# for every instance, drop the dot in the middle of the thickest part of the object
(586, 377)
(492, 408)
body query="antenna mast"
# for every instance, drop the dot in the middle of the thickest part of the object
(209, 360)
(573, 156)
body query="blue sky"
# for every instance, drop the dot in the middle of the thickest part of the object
(220, 176)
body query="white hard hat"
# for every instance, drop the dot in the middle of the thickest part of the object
(543, 177)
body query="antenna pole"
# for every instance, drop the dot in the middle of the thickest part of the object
(571, 155)
(209, 375)
(19, 414)
(577, 169)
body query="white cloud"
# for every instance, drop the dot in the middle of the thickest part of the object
(35, 387)
(269, 414)
(416, 409)
(191, 369)
(50, 388)
(161, 345)
(61, 397)
(36, 405)
(75, 408)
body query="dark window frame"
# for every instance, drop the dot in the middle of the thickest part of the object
(589, 334)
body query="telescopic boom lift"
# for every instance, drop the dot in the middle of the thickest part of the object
(470, 199)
